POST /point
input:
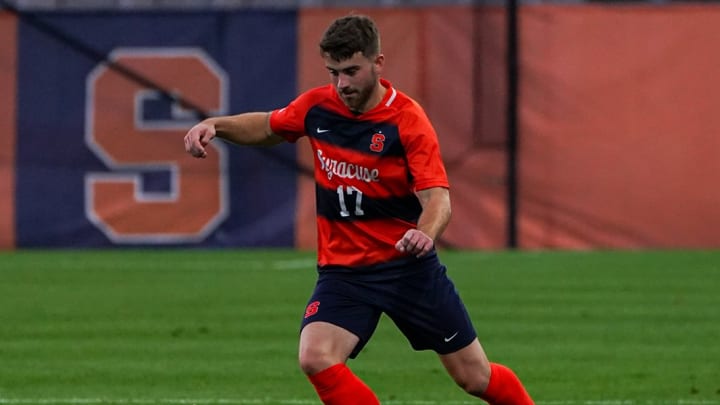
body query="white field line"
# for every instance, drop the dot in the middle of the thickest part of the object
(294, 264)
(281, 265)
(278, 401)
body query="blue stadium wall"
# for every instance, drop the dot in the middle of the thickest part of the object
(618, 137)
(74, 164)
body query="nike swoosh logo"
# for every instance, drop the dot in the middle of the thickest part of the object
(447, 339)
(321, 131)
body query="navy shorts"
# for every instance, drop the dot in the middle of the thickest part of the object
(419, 298)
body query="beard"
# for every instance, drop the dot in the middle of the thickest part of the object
(356, 99)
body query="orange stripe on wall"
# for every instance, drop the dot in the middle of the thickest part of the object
(619, 144)
(618, 126)
(8, 75)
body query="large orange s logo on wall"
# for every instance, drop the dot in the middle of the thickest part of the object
(133, 145)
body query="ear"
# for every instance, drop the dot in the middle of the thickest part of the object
(379, 62)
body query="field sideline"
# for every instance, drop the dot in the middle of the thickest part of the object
(220, 327)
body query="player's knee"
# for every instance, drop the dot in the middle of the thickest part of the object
(473, 384)
(313, 361)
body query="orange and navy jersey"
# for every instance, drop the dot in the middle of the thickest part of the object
(367, 170)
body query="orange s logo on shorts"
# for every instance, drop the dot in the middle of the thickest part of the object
(312, 309)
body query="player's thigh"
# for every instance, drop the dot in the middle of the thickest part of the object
(343, 304)
(323, 344)
(429, 312)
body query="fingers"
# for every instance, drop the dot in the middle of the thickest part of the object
(197, 138)
(415, 242)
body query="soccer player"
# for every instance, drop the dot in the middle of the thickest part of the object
(382, 201)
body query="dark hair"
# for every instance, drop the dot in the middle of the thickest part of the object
(350, 34)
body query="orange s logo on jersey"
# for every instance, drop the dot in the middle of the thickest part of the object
(377, 143)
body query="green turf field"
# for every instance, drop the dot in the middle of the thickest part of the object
(220, 327)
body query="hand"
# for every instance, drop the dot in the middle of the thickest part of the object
(415, 242)
(197, 138)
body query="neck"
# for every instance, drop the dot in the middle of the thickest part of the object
(375, 98)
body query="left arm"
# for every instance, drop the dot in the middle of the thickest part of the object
(434, 218)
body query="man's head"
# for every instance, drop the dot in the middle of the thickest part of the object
(349, 35)
(351, 50)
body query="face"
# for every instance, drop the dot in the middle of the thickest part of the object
(356, 80)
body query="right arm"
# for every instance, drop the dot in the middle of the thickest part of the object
(243, 129)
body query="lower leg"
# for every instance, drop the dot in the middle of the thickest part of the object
(495, 383)
(337, 385)
(324, 348)
(505, 388)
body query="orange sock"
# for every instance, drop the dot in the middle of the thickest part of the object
(337, 385)
(505, 388)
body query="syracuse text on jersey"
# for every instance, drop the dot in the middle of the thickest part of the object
(346, 170)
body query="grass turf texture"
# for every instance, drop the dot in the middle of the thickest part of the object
(145, 326)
